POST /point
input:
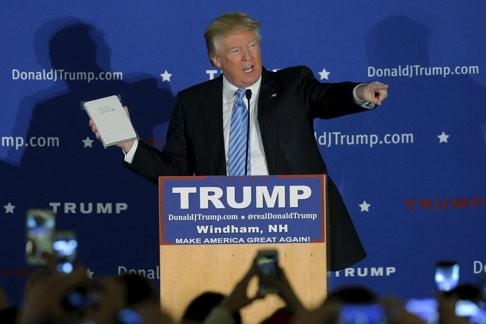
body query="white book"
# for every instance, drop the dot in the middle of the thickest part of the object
(111, 120)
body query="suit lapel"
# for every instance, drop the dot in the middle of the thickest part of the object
(268, 118)
(212, 110)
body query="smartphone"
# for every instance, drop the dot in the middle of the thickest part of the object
(361, 313)
(425, 308)
(466, 308)
(446, 275)
(268, 269)
(65, 246)
(40, 229)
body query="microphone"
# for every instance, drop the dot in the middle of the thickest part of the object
(248, 97)
(248, 94)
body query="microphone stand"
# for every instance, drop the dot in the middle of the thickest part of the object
(248, 97)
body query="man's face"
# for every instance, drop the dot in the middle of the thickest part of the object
(239, 57)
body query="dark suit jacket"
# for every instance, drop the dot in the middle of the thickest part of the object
(288, 102)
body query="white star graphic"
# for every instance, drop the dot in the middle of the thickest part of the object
(89, 273)
(166, 76)
(365, 207)
(9, 208)
(443, 137)
(324, 74)
(88, 142)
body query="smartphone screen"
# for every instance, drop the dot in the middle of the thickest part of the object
(65, 246)
(362, 313)
(446, 275)
(425, 308)
(40, 229)
(267, 263)
(466, 308)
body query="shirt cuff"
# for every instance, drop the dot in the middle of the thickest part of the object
(130, 154)
(360, 102)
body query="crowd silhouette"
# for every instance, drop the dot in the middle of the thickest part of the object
(54, 297)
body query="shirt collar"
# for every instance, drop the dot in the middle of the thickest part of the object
(229, 89)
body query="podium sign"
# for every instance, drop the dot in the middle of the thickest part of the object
(212, 227)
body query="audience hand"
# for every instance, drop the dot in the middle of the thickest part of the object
(239, 298)
(286, 292)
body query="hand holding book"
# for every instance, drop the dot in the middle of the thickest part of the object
(125, 146)
(110, 122)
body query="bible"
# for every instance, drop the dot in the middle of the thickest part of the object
(110, 118)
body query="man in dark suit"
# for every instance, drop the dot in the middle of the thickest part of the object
(282, 107)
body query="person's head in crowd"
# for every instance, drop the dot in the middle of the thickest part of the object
(144, 299)
(359, 300)
(283, 315)
(348, 295)
(125, 299)
(45, 298)
(200, 307)
(466, 291)
(54, 297)
(139, 289)
(8, 312)
(353, 295)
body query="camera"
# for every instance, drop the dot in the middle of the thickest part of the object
(40, 229)
(446, 275)
(65, 247)
(268, 270)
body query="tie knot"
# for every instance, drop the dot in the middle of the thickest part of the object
(240, 93)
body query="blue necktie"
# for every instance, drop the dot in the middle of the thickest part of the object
(238, 137)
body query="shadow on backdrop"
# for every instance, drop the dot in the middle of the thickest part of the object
(425, 105)
(85, 182)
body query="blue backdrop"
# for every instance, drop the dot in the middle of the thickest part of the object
(411, 172)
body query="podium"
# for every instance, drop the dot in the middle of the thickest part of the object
(212, 227)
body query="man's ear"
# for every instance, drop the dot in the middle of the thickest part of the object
(216, 61)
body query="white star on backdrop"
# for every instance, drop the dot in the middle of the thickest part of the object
(88, 142)
(443, 137)
(9, 208)
(166, 76)
(365, 207)
(324, 74)
(89, 273)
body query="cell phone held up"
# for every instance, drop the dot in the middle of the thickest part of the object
(268, 271)
(42, 240)
(65, 247)
(446, 275)
(40, 231)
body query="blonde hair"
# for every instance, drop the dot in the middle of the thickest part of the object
(228, 23)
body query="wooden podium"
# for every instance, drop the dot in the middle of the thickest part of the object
(189, 268)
